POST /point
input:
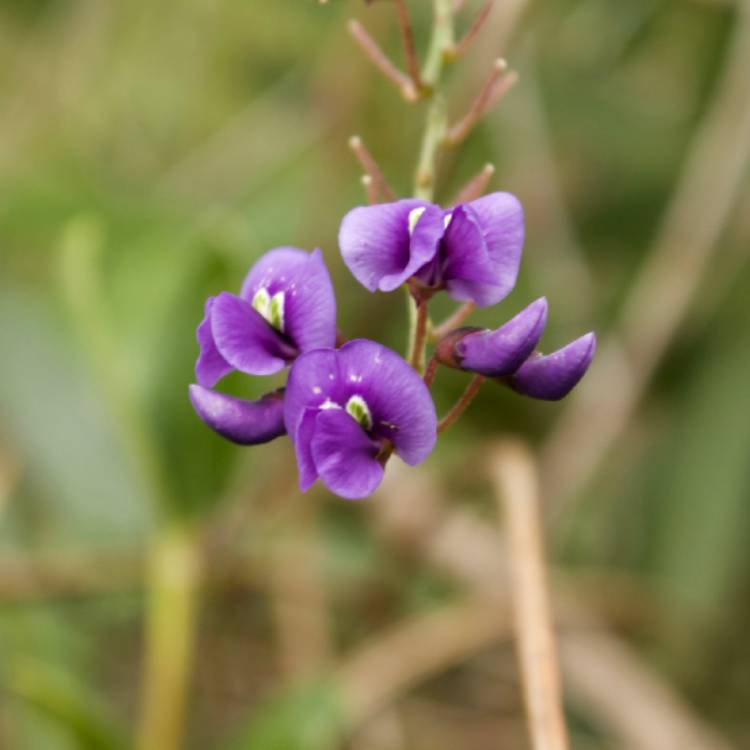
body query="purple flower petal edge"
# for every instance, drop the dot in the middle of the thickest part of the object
(552, 376)
(238, 420)
(501, 352)
(378, 247)
(210, 367)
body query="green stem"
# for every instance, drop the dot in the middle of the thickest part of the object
(420, 335)
(173, 575)
(436, 126)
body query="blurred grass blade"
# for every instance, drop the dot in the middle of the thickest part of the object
(82, 245)
(67, 702)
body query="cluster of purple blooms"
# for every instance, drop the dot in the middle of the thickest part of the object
(348, 408)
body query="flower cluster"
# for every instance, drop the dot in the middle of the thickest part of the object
(348, 406)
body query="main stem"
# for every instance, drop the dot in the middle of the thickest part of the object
(436, 126)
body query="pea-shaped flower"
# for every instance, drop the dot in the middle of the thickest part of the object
(286, 307)
(472, 250)
(508, 355)
(347, 409)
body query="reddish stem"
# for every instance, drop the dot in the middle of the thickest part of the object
(474, 30)
(407, 36)
(498, 83)
(460, 406)
(365, 158)
(454, 321)
(371, 48)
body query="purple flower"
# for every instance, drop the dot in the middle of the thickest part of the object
(243, 422)
(507, 354)
(346, 409)
(472, 250)
(496, 353)
(553, 376)
(286, 307)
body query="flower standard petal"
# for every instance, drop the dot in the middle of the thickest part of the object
(245, 339)
(313, 381)
(238, 420)
(552, 376)
(344, 455)
(400, 404)
(501, 219)
(501, 352)
(380, 247)
(302, 282)
(467, 269)
(210, 367)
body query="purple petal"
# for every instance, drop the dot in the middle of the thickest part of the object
(210, 367)
(245, 340)
(244, 422)
(313, 380)
(502, 351)
(345, 455)
(468, 271)
(552, 376)
(401, 406)
(501, 218)
(309, 301)
(378, 247)
(303, 439)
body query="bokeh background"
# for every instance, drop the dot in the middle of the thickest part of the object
(149, 152)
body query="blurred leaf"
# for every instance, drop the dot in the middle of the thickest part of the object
(307, 718)
(704, 486)
(65, 700)
(46, 398)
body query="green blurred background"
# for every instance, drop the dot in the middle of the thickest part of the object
(149, 152)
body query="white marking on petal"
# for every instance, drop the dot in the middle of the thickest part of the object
(276, 318)
(270, 308)
(316, 389)
(328, 404)
(357, 407)
(414, 216)
(262, 302)
(447, 219)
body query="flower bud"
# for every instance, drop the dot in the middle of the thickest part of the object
(553, 376)
(497, 353)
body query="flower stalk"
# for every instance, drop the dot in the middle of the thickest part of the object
(467, 40)
(407, 36)
(420, 334)
(498, 83)
(462, 404)
(381, 61)
(372, 170)
(475, 186)
(454, 321)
